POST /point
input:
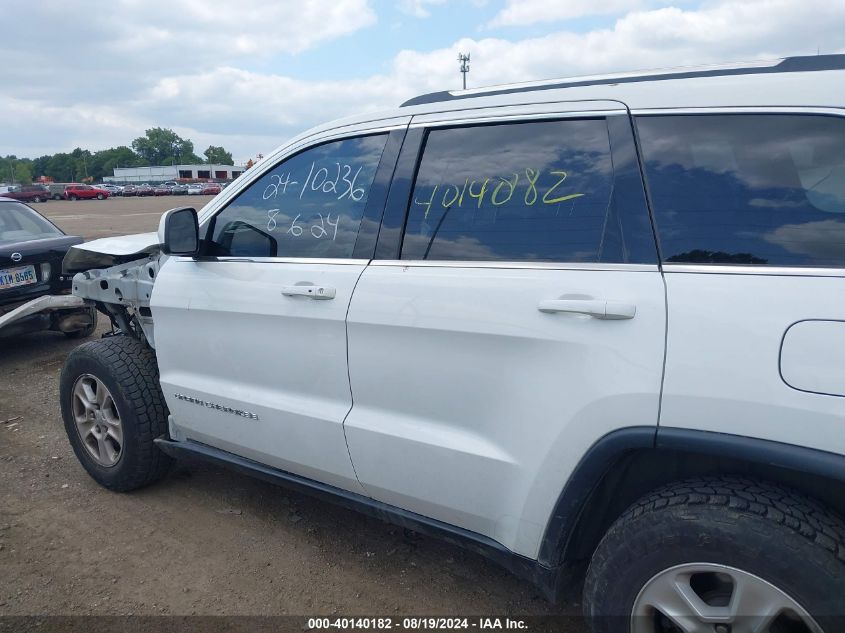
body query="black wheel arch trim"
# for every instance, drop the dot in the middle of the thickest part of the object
(609, 450)
(803, 459)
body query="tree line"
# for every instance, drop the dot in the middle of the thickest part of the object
(158, 146)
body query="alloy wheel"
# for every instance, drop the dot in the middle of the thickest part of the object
(711, 598)
(97, 420)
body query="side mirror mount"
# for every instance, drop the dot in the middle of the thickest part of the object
(178, 232)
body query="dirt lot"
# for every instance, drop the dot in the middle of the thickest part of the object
(204, 541)
(115, 216)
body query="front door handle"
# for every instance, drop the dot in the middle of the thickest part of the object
(310, 291)
(605, 310)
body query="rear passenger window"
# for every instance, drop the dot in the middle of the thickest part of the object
(747, 189)
(538, 191)
(310, 205)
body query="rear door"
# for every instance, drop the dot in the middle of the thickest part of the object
(515, 314)
(750, 211)
(251, 337)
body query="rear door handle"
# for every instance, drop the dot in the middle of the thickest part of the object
(310, 291)
(606, 310)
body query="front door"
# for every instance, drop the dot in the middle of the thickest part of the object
(251, 337)
(523, 319)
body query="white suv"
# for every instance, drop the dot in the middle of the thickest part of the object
(595, 322)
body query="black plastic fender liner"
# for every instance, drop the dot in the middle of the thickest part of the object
(589, 472)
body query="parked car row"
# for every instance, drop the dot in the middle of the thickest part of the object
(42, 193)
(79, 191)
(165, 189)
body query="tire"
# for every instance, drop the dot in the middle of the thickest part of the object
(128, 370)
(745, 527)
(100, 196)
(37, 199)
(73, 198)
(85, 332)
(56, 197)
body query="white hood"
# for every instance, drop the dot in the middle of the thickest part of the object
(124, 245)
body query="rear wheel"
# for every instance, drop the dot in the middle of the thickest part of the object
(113, 409)
(73, 197)
(720, 555)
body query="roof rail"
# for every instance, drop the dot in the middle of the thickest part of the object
(807, 63)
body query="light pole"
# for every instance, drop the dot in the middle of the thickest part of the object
(464, 60)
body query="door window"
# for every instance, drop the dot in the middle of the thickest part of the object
(310, 205)
(536, 191)
(747, 189)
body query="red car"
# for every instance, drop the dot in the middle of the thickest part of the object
(210, 189)
(27, 193)
(84, 192)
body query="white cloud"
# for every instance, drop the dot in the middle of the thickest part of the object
(731, 30)
(418, 8)
(128, 41)
(213, 99)
(821, 239)
(522, 12)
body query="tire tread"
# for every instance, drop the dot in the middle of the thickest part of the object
(768, 501)
(133, 367)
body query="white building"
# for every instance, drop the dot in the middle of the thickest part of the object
(164, 173)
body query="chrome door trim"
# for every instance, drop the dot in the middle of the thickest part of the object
(732, 269)
(741, 110)
(279, 260)
(429, 263)
(519, 114)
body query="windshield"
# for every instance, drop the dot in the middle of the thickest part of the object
(19, 223)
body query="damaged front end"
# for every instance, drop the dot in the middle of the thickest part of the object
(61, 313)
(116, 275)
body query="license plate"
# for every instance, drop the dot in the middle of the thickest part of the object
(14, 277)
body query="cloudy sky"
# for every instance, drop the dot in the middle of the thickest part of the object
(247, 74)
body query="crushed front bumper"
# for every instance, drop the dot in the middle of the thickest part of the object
(37, 314)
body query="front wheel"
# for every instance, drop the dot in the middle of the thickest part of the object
(113, 409)
(37, 199)
(100, 196)
(722, 555)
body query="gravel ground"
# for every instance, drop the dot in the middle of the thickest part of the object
(204, 541)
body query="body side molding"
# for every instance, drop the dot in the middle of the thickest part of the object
(543, 577)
